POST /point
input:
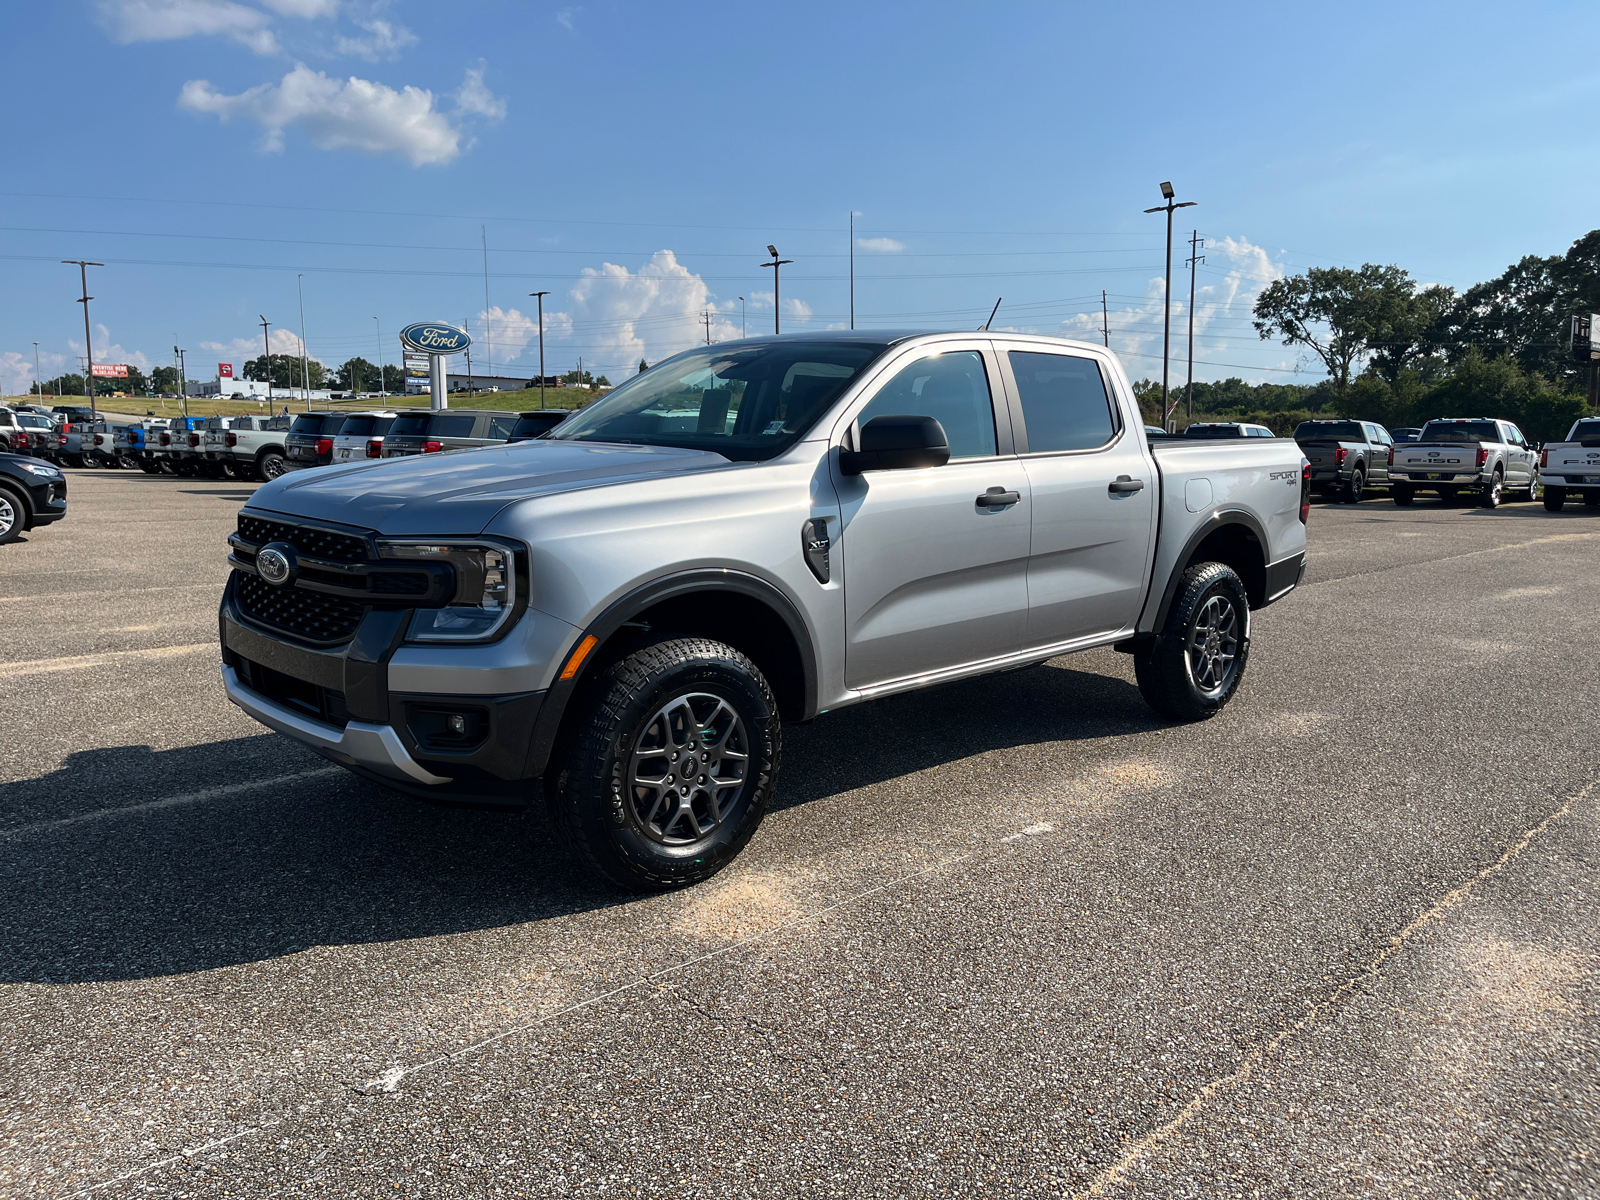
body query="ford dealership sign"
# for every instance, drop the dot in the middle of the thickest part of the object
(435, 337)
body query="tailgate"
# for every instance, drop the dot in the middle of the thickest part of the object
(1436, 458)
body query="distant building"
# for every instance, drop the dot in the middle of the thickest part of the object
(500, 383)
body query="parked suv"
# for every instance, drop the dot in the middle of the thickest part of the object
(450, 429)
(537, 423)
(309, 441)
(32, 493)
(1346, 456)
(1212, 430)
(72, 414)
(361, 436)
(749, 533)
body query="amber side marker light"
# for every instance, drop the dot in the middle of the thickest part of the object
(578, 655)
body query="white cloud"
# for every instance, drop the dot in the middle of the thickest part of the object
(16, 373)
(383, 40)
(355, 114)
(881, 245)
(308, 10)
(565, 17)
(169, 20)
(107, 351)
(240, 349)
(797, 309)
(474, 97)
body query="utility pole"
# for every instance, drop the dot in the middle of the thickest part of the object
(266, 348)
(1105, 320)
(706, 317)
(383, 391)
(742, 332)
(488, 322)
(777, 310)
(183, 379)
(539, 296)
(1195, 257)
(305, 372)
(1166, 337)
(176, 366)
(38, 378)
(83, 266)
(468, 328)
(852, 268)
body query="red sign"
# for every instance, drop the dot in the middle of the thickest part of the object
(224, 370)
(109, 370)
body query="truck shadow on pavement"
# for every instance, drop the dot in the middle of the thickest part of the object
(131, 863)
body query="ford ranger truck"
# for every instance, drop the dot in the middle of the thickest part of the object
(1572, 468)
(1347, 457)
(757, 532)
(1475, 455)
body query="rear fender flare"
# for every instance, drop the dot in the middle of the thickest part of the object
(1219, 520)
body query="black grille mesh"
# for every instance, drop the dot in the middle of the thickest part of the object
(310, 615)
(398, 583)
(318, 543)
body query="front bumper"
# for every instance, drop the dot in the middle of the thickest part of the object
(338, 702)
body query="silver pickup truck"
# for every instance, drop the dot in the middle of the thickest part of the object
(1477, 455)
(1571, 469)
(749, 533)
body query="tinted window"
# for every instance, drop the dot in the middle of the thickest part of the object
(951, 388)
(333, 424)
(1330, 431)
(452, 425)
(309, 424)
(746, 404)
(380, 426)
(1460, 431)
(1584, 429)
(533, 424)
(501, 426)
(357, 426)
(1064, 401)
(1213, 431)
(410, 425)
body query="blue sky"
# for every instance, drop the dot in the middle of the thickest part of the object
(635, 160)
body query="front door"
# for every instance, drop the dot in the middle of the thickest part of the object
(1094, 495)
(935, 575)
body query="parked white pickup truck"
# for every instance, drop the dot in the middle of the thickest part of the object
(1465, 454)
(1572, 467)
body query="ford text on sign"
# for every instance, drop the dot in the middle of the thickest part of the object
(435, 337)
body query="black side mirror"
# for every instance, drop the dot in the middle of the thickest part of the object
(897, 443)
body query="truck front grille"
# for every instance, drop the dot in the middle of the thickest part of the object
(305, 614)
(325, 704)
(318, 543)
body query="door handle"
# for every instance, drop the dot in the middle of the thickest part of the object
(998, 498)
(1124, 486)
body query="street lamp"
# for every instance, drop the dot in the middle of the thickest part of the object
(305, 374)
(742, 331)
(775, 264)
(266, 350)
(540, 296)
(1167, 194)
(382, 392)
(38, 378)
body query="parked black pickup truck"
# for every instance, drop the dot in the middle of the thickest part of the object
(1347, 457)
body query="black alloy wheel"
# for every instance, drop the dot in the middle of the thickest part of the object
(672, 765)
(1192, 668)
(1356, 485)
(269, 465)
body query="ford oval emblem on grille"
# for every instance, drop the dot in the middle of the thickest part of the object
(275, 563)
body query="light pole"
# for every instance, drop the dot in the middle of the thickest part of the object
(305, 373)
(539, 296)
(83, 266)
(266, 349)
(383, 393)
(742, 331)
(852, 268)
(38, 378)
(183, 378)
(1195, 258)
(776, 262)
(1167, 194)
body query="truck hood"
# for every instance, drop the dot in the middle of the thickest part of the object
(459, 492)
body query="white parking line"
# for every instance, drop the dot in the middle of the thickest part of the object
(216, 793)
(74, 662)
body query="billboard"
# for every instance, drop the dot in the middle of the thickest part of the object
(109, 370)
(416, 365)
(224, 370)
(1584, 338)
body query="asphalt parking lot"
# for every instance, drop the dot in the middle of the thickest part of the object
(1014, 937)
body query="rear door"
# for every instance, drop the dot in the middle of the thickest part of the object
(1378, 468)
(934, 578)
(1093, 490)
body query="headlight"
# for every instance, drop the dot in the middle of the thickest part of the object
(486, 589)
(40, 469)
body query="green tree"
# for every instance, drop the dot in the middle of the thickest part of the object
(65, 385)
(394, 378)
(602, 382)
(356, 375)
(164, 379)
(1344, 315)
(643, 366)
(285, 371)
(572, 376)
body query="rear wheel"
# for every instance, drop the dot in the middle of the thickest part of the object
(1356, 485)
(1490, 496)
(1190, 670)
(269, 465)
(1554, 498)
(1403, 494)
(1592, 499)
(673, 764)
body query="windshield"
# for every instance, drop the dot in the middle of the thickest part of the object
(746, 403)
(1331, 431)
(1460, 431)
(1585, 429)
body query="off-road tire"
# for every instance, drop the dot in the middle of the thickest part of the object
(1163, 665)
(1357, 484)
(1554, 498)
(592, 798)
(1490, 496)
(1402, 494)
(269, 465)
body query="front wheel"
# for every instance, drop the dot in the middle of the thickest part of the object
(1554, 498)
(1190, 670)
(1490, 496)
(1402, 493)
(11, 516)
(1356, 485)
(673, 764)
(1534, 489)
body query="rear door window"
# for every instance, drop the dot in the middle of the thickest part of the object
(951, 388)
(1065, 405)
(454, 425)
